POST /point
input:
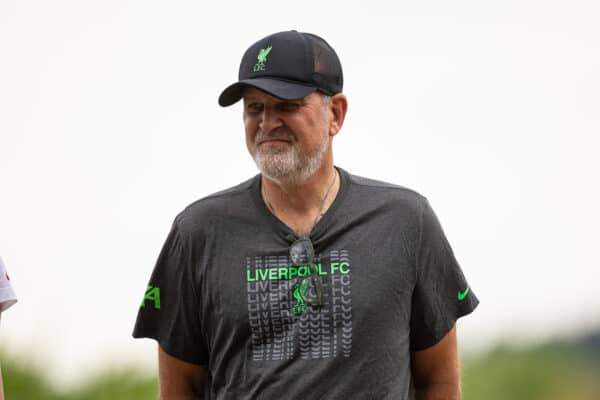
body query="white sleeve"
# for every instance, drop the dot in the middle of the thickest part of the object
(7, 294)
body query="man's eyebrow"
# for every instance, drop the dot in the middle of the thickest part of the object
(297, 101)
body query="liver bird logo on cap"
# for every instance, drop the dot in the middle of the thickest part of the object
(262, 59)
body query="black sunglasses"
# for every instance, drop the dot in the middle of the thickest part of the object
(302, 252)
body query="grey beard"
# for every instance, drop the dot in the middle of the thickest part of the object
(291, 166)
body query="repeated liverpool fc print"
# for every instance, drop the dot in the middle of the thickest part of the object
(283, 322)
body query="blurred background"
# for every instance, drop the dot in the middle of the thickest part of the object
(109, 126)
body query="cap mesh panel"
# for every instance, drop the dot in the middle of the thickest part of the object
(327, 69)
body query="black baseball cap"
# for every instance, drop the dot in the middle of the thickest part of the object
(289, 65)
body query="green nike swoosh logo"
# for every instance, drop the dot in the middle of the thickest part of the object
(462, 295)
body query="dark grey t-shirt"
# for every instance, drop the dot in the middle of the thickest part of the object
(224, 294)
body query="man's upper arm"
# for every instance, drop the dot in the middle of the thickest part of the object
(178, 379)
(436, 369)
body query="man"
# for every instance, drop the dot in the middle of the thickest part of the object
(304, 282)
(7, 299)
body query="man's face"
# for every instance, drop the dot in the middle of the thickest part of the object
(287, 139)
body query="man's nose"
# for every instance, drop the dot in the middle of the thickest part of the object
(270, 119)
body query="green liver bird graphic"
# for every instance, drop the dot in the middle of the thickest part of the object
(263, 53)
(300, 296)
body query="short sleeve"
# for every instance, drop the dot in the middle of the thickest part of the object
(441, 294)
(169, 310)
(7, 293)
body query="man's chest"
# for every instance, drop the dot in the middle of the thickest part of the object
(268, 305)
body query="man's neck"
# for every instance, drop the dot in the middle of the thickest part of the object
(300, 204)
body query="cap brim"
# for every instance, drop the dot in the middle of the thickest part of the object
(285, 90)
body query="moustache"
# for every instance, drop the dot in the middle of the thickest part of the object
(262, 136)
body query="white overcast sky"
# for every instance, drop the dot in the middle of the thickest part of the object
(109, 126)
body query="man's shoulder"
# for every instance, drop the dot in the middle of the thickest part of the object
(387, 190)
(217, 204)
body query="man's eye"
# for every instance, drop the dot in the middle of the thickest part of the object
(254, 108)
(288, 106)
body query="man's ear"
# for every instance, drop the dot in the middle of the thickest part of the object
(338, 106)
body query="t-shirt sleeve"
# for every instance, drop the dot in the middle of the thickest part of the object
(7, 293)
(169, 312)
(441, 294)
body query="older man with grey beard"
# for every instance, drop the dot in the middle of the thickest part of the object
(306, 281)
